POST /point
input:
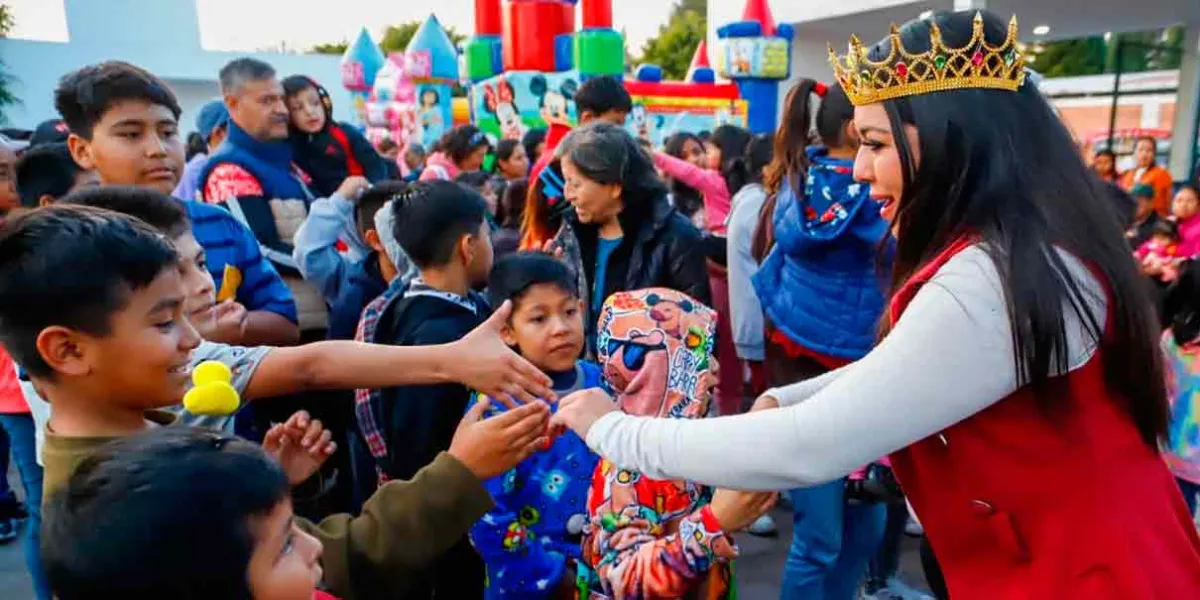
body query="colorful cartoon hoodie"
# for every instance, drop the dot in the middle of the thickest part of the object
(655, 538)
(532, 536)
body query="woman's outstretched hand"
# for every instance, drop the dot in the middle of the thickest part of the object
(579, 411)
(482, 361)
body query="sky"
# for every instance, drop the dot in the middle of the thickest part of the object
(257, 24)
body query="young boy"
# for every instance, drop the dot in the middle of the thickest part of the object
(347, 284)
(187, 514)
(530, 540)
(110, 347)
(265, 371)
(124, 125)
(442, 228)
(46, 173)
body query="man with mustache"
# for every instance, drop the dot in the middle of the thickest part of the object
(252, 175)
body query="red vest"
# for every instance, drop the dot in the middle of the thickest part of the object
(1028, 501)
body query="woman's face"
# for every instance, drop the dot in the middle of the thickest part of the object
(1185, 204)
(878, 160)
(516, 166)
(1103, 164)
(693, 151)
(1144, 152)
(307, 111)
(596, 203)
(712, 156)
(474, 160)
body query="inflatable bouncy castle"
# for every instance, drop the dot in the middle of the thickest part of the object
(360, 63)
(756, 54)
(410, 93)
(527, 59)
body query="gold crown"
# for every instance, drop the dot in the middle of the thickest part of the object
(902, 73)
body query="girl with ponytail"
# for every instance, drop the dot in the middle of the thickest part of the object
(822, 297)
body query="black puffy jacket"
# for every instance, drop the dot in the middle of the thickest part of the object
(661, 248)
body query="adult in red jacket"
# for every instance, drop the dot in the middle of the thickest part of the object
(1018, 388)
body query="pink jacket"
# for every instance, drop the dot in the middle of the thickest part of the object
(439, 167)
(12, 399)
(706, 181)
(1189, 237)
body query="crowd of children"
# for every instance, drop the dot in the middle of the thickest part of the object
(397, 324)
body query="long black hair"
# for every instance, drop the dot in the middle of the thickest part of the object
(1002, 166)
(732, 141)
(687, 199)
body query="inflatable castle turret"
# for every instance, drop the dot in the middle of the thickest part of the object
(360, 64)
(410, 97)
(527, 58)
(756, 54)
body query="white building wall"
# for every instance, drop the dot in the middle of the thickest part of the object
(162, 36)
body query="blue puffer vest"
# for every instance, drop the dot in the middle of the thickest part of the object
(269, 162)
(820, 285)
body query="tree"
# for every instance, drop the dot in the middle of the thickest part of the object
(7, 98)
(1140, 51)
(1086, 56)
(397, 37)
(676, 42)
(338, 48)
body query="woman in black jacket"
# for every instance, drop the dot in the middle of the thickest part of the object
(629, 237)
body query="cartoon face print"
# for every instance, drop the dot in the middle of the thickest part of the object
(554, 103)
(554, 106)
(655, 347)
(641, 121)
(499, 99)
(554, 484)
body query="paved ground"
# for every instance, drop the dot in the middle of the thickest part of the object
(759, 571)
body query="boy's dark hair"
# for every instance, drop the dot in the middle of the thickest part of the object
(505, 148)
(475, 180)
(460, 142)
(83, 96)
(372, 200)
(530, 140)
(599, 95)
(513, 275)
(431, 217)
(163, 514)
(72, 266)
(152, 207)
(45, 170)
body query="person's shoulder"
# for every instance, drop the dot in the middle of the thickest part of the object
(425, 319)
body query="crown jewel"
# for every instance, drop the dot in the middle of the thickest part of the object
(903, 73)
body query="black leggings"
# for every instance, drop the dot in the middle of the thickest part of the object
(933, 572)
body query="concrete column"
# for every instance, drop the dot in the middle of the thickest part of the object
(1184, 132)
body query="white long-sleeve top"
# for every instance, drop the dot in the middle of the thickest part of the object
(746, 311)
(947, 358)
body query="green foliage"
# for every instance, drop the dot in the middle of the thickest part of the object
(397, 37)
(7, 98)
(338, 48)
(676, 42)
(1141, 51)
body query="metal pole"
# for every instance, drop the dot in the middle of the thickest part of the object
(1112, 116)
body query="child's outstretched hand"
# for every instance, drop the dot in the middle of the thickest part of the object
(579, 411)
(736, 510)
(300, 445)
(482, 361)
(491, 446)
